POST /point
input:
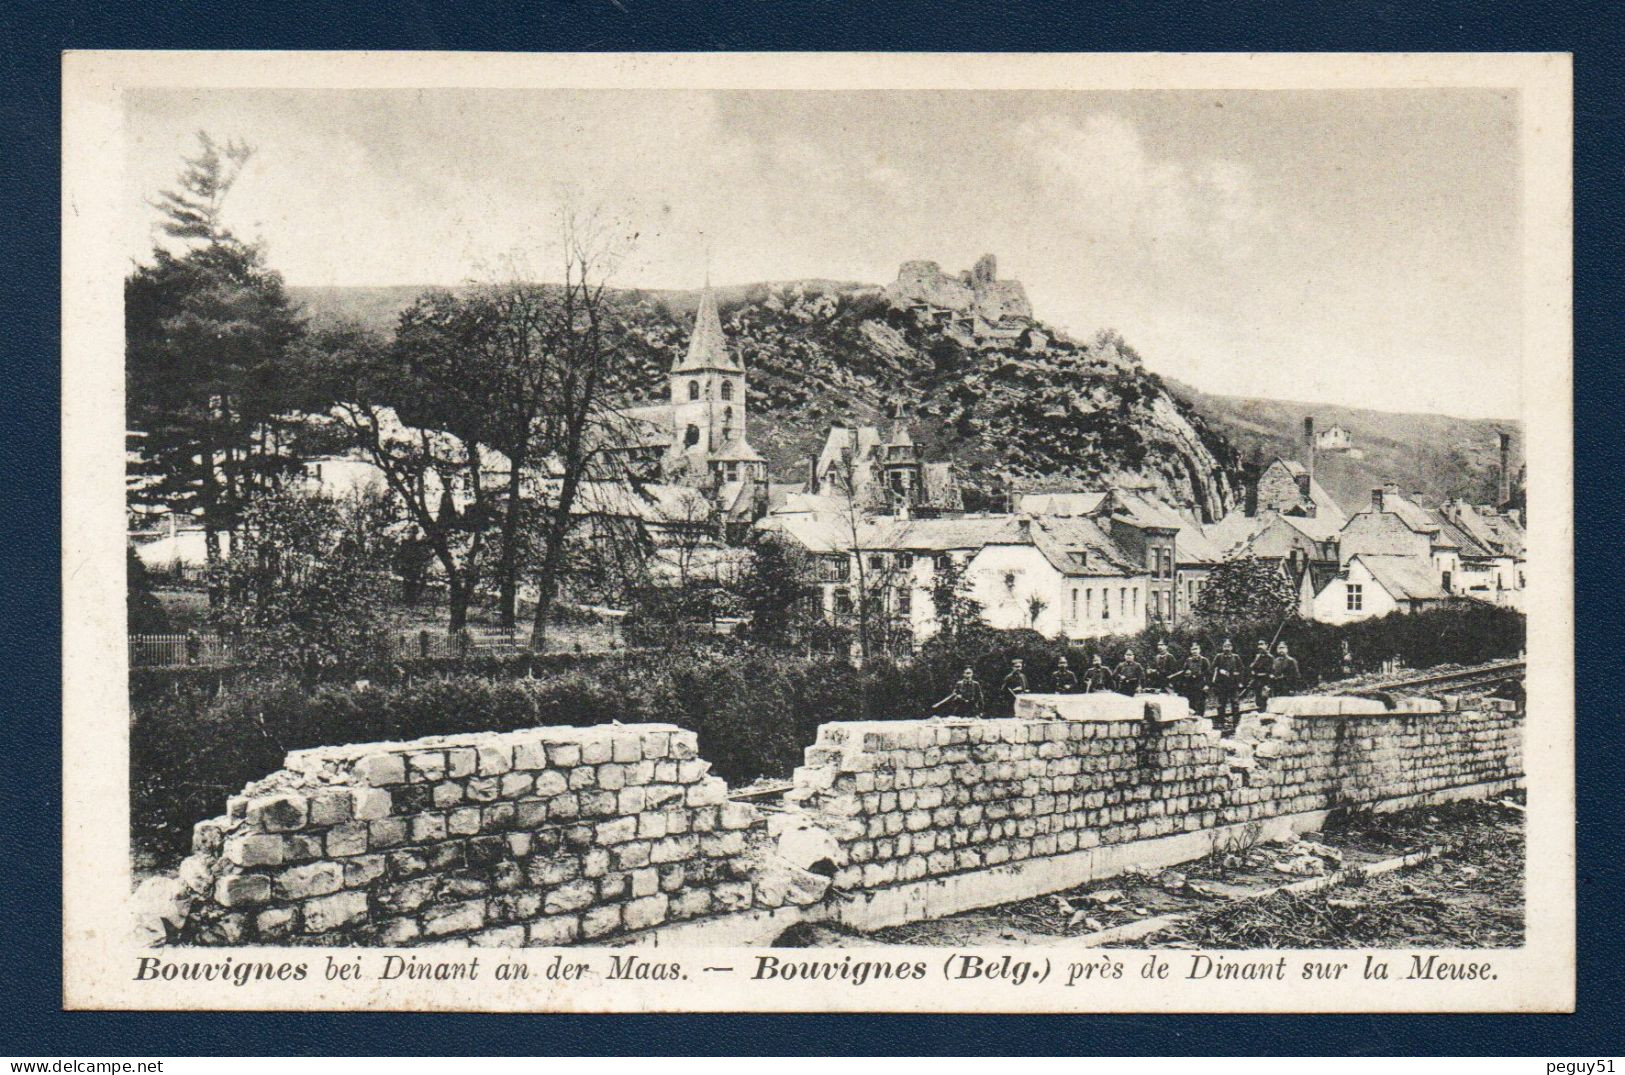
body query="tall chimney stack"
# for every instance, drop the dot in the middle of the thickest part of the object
(1377, 497)
(1309, 445)
(1506, 469)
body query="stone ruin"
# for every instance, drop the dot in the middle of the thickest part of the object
(619, 834)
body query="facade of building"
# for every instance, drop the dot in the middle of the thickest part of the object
(883, 473)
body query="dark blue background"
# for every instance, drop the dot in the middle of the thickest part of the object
(33, 31)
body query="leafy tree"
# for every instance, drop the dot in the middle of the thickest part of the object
(775, 594)
(957, 609)
(145, 613)
(207, 334)
(1247, 589)
(303, 592)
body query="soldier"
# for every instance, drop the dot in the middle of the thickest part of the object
(1283, 672)
(1193, 679)
(1346, 661)
(965, 700)
(1227, 676)
(1066, 680)
(1130, 674)
(1164, 666)
(1258, 675)
(1015, 683)
(1096, 677)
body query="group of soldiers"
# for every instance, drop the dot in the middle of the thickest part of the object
(1227, 676)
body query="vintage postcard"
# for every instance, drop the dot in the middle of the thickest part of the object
(1045, 533)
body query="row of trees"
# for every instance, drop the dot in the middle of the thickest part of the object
(485, 413)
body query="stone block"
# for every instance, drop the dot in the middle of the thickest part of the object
(596, 751)
(564, 755)
(302, 882)
(529, 756)
(397, 931)
(347, 839)
(387, 832)
(330, 807)
(446, 794)
(279, 813)
(513, 785)
(495, 758)
(209, 836)
(575, 896)
(645, 913)
(256, 849)
(380, 770)
(464, 821)
(426, 767)
(551, 783)
(327, 913)
(363, 870)
(553, 931)
(275, 923)
(620, 830)
(600, 921)
(626, 747)
(428, 828)
(454, 918)
(737, 815)
(369, 804)
(461, 762)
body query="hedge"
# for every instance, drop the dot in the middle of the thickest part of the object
(754, 711)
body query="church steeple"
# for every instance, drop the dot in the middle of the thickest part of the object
(707, 349)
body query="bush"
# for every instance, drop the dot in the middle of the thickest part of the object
(755, 710)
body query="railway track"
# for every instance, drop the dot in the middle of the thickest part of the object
(1421, 682)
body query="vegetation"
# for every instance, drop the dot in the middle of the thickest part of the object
(1246, 590)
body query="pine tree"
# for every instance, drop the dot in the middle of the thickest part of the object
(208, 335)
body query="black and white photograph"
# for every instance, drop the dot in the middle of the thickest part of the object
(848, 545)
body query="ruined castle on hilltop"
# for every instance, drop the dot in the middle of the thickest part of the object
(974, 306)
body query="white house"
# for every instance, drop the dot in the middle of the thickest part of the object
(1374, 585)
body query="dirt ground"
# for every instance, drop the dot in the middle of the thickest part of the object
(1471, 895)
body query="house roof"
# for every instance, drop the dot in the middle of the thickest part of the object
(707, 348)
(1406, 578)
(1314, 527)
(650, 502)
(1192, 545)
(1076, 546)
(738, 450)
(1324, 504)
(1059, 503)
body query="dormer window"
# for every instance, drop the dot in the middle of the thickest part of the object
(693, 390)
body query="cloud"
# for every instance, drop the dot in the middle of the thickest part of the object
(1102, 173)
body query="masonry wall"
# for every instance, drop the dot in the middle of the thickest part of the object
(542, 837)
(909, 800)
(557, 836)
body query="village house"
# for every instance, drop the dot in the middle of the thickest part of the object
(1374, 584)
(1062, 577)
(883, 474)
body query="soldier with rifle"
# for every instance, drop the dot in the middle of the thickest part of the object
(965, 700)
(1015, 683)
(1258, 675)
(1164, 667)
(1066, 680)
(1130, 674)
(1193, 679)
(1284, 674)
(1228, 672)
(1096, 677)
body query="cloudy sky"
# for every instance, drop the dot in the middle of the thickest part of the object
(1349, 247)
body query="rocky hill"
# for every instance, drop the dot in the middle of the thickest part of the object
(1043, 411)
(1438, 455)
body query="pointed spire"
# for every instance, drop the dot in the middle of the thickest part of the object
(707, 348)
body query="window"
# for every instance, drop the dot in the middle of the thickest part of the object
(1088, 602)
(942, 561)
(843, 602)
(832, 569)
(905, 601)
(693, 390)
(727, 390)
(1355, 600)
(1122, 600)
(1136, 609)
(1444, 583)
(1074, 604)
(877, 562)
(691, 436)
(1105, 603)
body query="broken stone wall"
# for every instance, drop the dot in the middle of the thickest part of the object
(909, 800)
(546, 836)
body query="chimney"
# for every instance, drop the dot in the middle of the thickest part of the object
(1024, 529)
(1377, 499)
(1303, 486)
(1309, 444)
(1506, 467)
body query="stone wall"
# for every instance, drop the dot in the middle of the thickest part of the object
(542, 837)
(556, 836)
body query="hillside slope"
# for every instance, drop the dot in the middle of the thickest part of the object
(1438, 455)
(821, 353)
